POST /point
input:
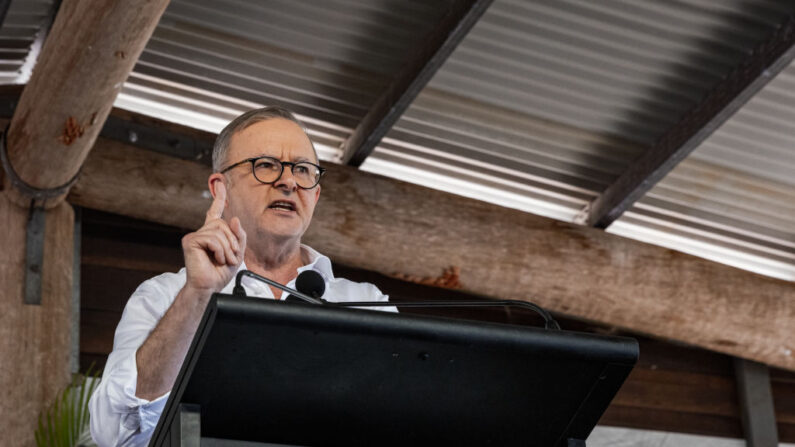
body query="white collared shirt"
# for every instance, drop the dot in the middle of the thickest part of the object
(118, 417)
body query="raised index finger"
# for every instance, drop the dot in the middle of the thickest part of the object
(217, 208)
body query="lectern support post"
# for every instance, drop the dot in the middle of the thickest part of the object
(187, 433)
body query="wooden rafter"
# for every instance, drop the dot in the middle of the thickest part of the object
(397, 97)
(4, 5)
(726, 98)
(92, 48)
(133, 128)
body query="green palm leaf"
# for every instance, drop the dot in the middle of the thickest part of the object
(66, 421)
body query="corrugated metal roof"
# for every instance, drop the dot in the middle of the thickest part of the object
(609, 78)
(622, 68)
(540, 108)
(327, 61)
(21, 35)
(733, 199)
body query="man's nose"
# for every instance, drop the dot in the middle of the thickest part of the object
(287, 179)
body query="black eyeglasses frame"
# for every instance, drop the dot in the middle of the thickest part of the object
(292, 164)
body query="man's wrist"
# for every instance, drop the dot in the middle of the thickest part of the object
(196, 295)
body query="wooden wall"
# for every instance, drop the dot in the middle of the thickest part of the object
(673, 388)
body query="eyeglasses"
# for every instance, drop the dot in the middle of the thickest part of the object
(269, 170)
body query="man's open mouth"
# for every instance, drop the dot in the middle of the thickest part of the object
(283, 205)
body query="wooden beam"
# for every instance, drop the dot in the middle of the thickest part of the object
(408, 83)
(400, 229)
(726, 98)
(156, 182)
(92, 47)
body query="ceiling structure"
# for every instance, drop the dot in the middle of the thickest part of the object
(23, 31)
(541, 106)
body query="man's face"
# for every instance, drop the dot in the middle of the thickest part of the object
(280, 210)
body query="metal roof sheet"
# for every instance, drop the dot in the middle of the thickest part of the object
(733, 199)
(21, 35)
(540, 108)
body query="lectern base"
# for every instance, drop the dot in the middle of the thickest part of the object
(188, 432)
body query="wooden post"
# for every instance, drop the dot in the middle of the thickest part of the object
(34, 340)
(91, 49)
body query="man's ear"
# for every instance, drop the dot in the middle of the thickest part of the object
(317, 194)
(213, 180)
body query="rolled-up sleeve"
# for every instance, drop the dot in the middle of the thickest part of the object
(118, 417)
(341, 290)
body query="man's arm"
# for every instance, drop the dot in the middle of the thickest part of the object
(155, 331)
(160, 357)
(212, 256)
(118, 417)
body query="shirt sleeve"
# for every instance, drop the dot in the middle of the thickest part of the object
(118, 417)
(370, 292)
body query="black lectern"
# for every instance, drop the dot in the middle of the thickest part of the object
(310, 375)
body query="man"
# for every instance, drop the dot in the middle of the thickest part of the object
(265, 185)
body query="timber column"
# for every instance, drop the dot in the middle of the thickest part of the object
(91, 49)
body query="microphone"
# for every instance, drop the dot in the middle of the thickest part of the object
(240, 291)
(311, 283)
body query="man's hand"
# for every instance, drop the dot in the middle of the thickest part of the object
(212, 256)
(214, 252)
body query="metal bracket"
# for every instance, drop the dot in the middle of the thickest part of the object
(34, 234)
(24, 187)
(34, 254)
(159, 140)
(74, 357)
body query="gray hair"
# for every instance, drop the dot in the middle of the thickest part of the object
(245, 120)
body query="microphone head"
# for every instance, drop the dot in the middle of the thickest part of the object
(310, 282)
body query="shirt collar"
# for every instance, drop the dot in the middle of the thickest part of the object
(317, 262)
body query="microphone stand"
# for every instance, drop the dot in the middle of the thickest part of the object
(240, 291)
(549, 322)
